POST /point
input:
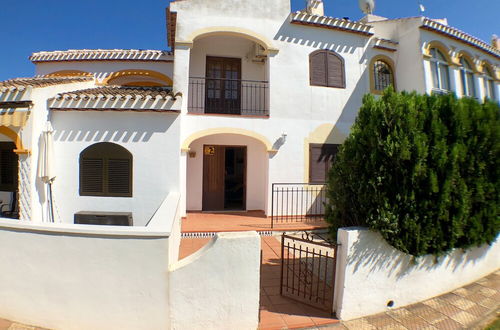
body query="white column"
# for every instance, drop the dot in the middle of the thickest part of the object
(181, 74)
(181, 84)
(272, 164)
(478, 91)
(497, 91)
(459, 88)
(455, 80)
(183, 182)
(428, 77)
(481, 93)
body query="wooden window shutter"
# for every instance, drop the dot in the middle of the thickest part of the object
(317, 68)
(336, 76)
(321, 157)
(91, 176)
(106, 170)
(119, 177)
(316, 165)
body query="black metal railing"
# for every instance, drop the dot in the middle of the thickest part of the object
(228, 96)
(297, 202)
(308, 270)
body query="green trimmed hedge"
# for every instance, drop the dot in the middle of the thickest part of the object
(421, 170)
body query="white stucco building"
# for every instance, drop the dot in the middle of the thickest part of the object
(250, 94)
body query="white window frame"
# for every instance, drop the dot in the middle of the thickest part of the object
(436, 64)
(466, 72)
(489, 82)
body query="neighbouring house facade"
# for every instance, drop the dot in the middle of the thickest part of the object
(250, 94)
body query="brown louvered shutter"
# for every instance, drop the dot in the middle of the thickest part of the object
(336, 76)
(316, 165)
(321, 157)
(317, 68)
(91, 176)
(119, 177)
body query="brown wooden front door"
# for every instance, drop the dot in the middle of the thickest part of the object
(223, 85)
(224, 178)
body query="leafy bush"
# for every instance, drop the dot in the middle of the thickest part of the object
(422, 170)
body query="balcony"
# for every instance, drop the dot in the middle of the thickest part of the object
(228, 96)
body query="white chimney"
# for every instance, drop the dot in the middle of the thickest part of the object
(495, 41)
(315, 7)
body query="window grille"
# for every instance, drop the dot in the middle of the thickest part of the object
(383, 75)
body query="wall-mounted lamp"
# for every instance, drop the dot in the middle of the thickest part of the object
(192, 154)
(283, 137)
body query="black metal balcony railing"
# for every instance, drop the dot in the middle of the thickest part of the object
(298, 202)
(228, 96)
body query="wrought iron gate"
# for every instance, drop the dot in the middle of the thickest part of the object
(308, 270)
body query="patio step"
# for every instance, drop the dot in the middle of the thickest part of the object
(206, 234)
(212, 234)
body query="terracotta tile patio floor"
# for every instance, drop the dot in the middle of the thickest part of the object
(277, 312)
(241, 221)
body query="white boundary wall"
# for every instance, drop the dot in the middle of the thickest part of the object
(218, 286)
(370, 273)
(67, 276)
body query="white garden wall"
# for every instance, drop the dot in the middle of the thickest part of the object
(370, 273)
(218, 286)
(65, 276)
(168, 217)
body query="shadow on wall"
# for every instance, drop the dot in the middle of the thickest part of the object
(372, 252)
(133, 133)
(40, 186)
(316, 38)
(354, 103)
(343, 43)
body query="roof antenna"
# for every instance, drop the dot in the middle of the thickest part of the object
(421, 8)
(367, 6)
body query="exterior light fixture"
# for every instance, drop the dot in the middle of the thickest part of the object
(283, 137)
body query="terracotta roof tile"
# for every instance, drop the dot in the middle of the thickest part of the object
(41, 81)
(121, 98)
(455, 33)
(123, 91)
(102, 55)
(327, 22)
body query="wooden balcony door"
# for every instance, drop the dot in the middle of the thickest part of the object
(224, 178)
(223, 85)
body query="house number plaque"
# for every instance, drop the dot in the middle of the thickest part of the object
(209, 150)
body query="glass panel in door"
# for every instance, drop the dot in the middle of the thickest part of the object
(223, 85)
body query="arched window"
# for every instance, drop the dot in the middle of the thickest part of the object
(439, 69)
(106, 170)
(383, 75)
(467, 77)
(326, 68)
(489, 84)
